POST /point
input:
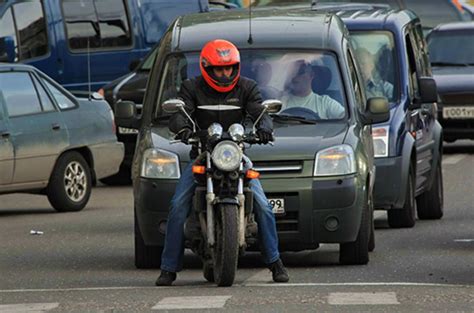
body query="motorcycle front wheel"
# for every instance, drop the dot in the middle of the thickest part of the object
(226, 250)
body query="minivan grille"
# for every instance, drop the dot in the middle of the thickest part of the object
(274, 167)
(287, 222)
(458, 98)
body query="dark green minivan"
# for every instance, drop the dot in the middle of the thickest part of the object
(319, 173)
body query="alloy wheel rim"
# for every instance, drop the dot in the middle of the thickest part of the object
(75, 181)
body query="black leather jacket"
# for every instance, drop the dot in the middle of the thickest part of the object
(245, 96)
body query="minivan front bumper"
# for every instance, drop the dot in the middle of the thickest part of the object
(316, 210)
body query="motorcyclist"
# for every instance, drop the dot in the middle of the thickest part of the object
(219, 83)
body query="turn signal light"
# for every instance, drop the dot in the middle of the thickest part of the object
(199, 169)
(251, 174)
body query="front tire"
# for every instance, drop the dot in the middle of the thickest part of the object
(430, 203)
(405, 217)
(70, 184)
(226, 250)
(145, 256)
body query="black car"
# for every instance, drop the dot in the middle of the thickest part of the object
(451, 49)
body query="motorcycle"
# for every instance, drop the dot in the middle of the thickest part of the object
(222, 222)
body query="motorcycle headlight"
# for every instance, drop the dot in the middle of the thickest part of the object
(334, 161)
(159, 163)
(236, 131)
(215, 130)
(380, 138)
(227, 156)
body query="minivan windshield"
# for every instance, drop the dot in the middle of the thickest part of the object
(375, 51)
(448, 48)
(308, 83)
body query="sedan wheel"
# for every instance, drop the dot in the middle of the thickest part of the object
(69, 187)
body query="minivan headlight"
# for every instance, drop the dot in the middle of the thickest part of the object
(380, 138)
(159, 163)
(227, 156)
(334, 161)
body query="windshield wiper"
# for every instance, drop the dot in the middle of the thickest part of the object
(284, 117)
(448, 64)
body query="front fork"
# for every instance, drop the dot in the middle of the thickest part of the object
(210, 201)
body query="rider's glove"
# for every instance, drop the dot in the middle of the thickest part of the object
(264, 135)
(184, 134)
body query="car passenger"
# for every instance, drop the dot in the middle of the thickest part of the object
(262, 72)
(301, 93)
(374, 85)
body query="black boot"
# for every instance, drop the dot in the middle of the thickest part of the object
(166, 278)
(279, 272)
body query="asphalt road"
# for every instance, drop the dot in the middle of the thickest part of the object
(83, 262)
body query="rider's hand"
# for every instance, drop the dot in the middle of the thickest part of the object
(184, 134)
(264, 135)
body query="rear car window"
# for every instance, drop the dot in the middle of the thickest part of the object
(19, 94)
(308, 83)
(62, 100)
(461, 47)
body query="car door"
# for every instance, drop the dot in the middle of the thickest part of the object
(6, 148)
(37, 131)
(421, 119)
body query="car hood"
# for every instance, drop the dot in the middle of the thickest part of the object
(454, 79)
(295, 142)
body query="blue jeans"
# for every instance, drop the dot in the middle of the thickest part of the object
(181, 205)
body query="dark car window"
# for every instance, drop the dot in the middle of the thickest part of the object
(355, 83)
(62, 100)
(45, 99)
(304, 81)
(148, 63)
(99, 24)
(31, 26)
(460, 51)
(19, 93)
(375, 52)
(7, 32)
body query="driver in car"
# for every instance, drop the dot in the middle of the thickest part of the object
(219, 83)
(301, 94)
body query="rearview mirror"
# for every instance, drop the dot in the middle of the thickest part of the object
(272, 105)
(125, 114)
(7, 49)
(428, 90)
(377, 110)
(172, 105)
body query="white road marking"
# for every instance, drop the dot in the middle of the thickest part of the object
(364, 298)
(177, 303)
(367, 284)
(260, 277)
(463, 240)
(453, 159)
(27, 307)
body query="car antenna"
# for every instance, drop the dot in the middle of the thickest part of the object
(250, 40)
(89, 68)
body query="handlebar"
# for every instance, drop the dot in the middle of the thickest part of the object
(250, 138)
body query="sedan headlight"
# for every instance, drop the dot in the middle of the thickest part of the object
(227, 156)
(159, 163)
(334, 161)
(380, 138)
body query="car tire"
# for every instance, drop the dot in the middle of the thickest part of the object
(430, 203)
(122, 178)
(406, 216)
(357, 252)
(70, 184)
(145, 256)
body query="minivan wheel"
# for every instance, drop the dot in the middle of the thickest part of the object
(145, 256)
(357, 252)
(406, 216)
(70, 184)
(430, 203)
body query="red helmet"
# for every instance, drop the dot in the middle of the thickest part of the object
(220, 53)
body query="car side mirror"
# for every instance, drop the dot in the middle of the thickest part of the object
(428, 90)
(377, 111)
(172, 105)
(7, 49)
(125, 114)
(134, 64)
(272, 105)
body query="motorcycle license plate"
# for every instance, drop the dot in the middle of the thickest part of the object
(278, 205)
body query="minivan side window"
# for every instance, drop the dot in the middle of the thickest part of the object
(97, 24)
(7, 32)
(355, 83)
(19, 93)
(412, 76)
(61, 99)
(31, 26)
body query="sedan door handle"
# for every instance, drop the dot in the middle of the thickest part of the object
(55, 126)
(5, 134)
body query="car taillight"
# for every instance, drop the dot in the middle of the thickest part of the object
(114, 127)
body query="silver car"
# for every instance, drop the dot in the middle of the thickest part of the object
(52, 142)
